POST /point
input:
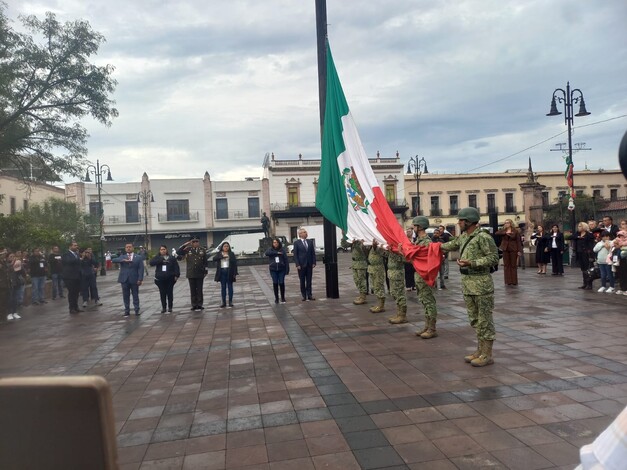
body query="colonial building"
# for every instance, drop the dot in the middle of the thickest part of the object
(17, 195)
(293, 185)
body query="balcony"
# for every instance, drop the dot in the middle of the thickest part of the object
(167, 218)
(235, 215)
(117, 220)
(510, 209)
(309, 209)
(435, 212)
(453, 211)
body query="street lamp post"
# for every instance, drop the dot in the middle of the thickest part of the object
(145, 196)
(419, 167)
(98, 171)
(569, 97)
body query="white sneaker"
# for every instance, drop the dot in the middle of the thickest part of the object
(16, 316)
(10, 316)
(609, 290)
(85, 304)
(625, 293)
(601, 289)
(618, 292)
(98, 303)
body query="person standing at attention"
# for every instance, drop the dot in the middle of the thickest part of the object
(511, 246)
(305, 261)
(38, 267)
(167, 272)
(56, 272)
(279, 268)
(226, 271)
(131, 277)
(196, 259)
(71, 261)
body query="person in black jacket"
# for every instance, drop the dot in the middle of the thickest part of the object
(584, 254)
(72, 276)
(543, 252)
(556, 248)
(167, 272)
(279, 267)
(89, 286)
(226, 270)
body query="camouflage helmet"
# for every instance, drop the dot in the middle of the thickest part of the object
(470, 214)
(421, 221)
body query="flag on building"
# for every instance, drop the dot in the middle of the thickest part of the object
(349, 194)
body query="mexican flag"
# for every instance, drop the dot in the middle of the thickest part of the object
(349, 194)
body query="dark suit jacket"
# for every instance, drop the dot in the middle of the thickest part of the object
(71, 265)
(130, 272)
(612, 230)
(304, 256)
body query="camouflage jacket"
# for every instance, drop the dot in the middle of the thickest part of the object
(359, 254)
(422, 241)
(396, 262)
(478, 248)
(375, 258)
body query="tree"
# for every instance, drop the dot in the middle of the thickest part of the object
(45, 90)
(558, 212)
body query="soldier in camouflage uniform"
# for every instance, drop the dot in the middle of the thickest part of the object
(425, 292)
(359, 254)
(478, 253)
(396, 274)
(376, 270)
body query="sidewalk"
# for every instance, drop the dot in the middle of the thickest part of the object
(328, 385)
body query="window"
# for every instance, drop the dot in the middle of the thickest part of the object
(132, 212)
(613, 194)
(292, 196)
(579, 192)
(596, 193)
(454, 204)
(472, 200)
(178, 209)
(545, 198)
(435, 205)
(390, 192)
(222, 208)
(253, 207)
(13, 205)
(94, 210)
(509, 203)
(491, 203)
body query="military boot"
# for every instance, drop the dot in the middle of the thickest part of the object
(485, 359)
(361, 299)
(380, 307)
(431, 331)
(476, 354)
(425, 328)
(400, 317)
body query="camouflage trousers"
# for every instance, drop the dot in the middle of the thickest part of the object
(480, 315)
(397, 287)
(359, 276)
(426, 297)
(377, 281)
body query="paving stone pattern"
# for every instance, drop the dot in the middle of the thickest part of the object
(329, 385)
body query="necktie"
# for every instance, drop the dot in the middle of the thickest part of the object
(305, 243)
(130, 257)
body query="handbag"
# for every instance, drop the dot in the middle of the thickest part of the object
(593, 273)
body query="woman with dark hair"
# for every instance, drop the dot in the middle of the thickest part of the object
(556, 247)
(543, 253)
(279, 267)
(226, 270)
(167, 272)
(584, 254)
(511, 246)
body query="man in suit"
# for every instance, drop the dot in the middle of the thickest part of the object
(305, 260)
(71, 262)
(131, 277)
(610, 227)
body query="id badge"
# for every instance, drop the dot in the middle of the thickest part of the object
(164, 268)
(276, 259)
(41, 265)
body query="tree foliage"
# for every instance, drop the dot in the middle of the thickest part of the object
(586, 208)
(53, 222)
(46, 88)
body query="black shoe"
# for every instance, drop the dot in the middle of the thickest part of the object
(127, 313)
(137, 313)
(276, 301)
(230, 304)
(311, 298)
(72, 312)
(200, 307)
(223, 305)
(193, 308)
(445, 277)
(170, 310)
(304, 298)
(163, 310)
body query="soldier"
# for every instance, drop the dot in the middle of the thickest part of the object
(197, 267)
(478, 253)
(376, 270)
(396, 274)
(359, 254)
(425, 292)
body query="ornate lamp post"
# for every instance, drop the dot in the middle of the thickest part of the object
(569, 97)
(419, 167)
(98, 171)
(145, 196)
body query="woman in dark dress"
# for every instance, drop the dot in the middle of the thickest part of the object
(226, 270)
(167, 272)
(543, 252)
(584, 254)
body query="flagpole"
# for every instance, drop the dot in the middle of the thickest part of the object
(330, 242)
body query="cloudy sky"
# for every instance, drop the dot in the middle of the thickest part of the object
(214, 85)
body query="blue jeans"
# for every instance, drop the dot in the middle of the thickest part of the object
(606, 275)
(278, 277)
(37, 288)
(57, 286)
(226, 284)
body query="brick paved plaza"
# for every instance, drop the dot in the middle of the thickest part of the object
(328, 385)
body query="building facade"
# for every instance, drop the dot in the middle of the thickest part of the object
(17, 194)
